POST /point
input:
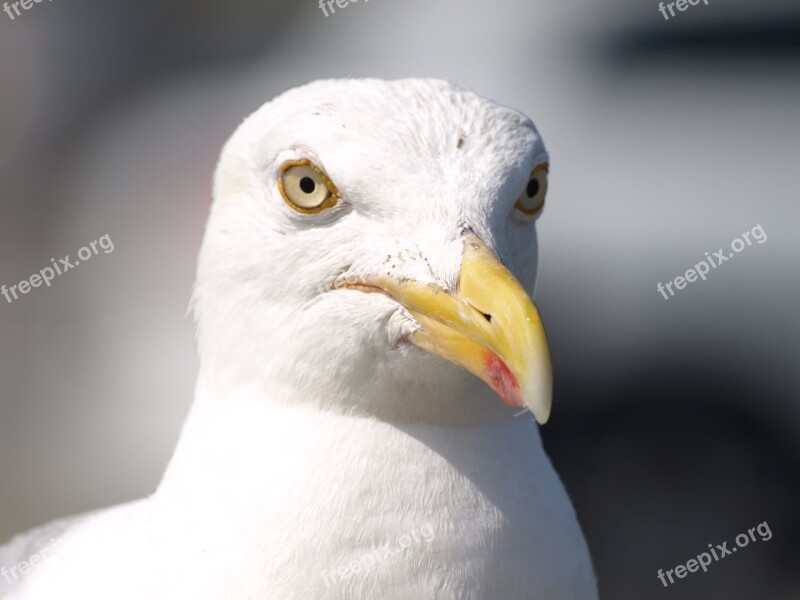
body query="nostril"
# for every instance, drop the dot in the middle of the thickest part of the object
(464, 230)
(486, 316)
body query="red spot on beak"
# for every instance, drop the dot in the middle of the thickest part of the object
(502, 380)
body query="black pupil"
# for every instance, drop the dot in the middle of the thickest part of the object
(533, 188)
(307, 185)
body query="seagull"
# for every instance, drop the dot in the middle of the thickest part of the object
(366, 337)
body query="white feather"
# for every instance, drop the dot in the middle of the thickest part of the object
(316, 435)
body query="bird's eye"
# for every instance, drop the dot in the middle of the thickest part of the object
(306, 188)
(532, 199)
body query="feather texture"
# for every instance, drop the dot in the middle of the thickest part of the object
(323, 456)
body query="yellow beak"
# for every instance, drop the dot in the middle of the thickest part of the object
(490, 327)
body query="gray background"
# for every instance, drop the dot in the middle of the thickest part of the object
(676, 422)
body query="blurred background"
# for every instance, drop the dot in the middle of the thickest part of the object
(676, 422)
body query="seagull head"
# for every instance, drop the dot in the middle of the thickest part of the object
(371, 249)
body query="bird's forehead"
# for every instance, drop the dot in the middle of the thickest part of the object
(429, 128)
